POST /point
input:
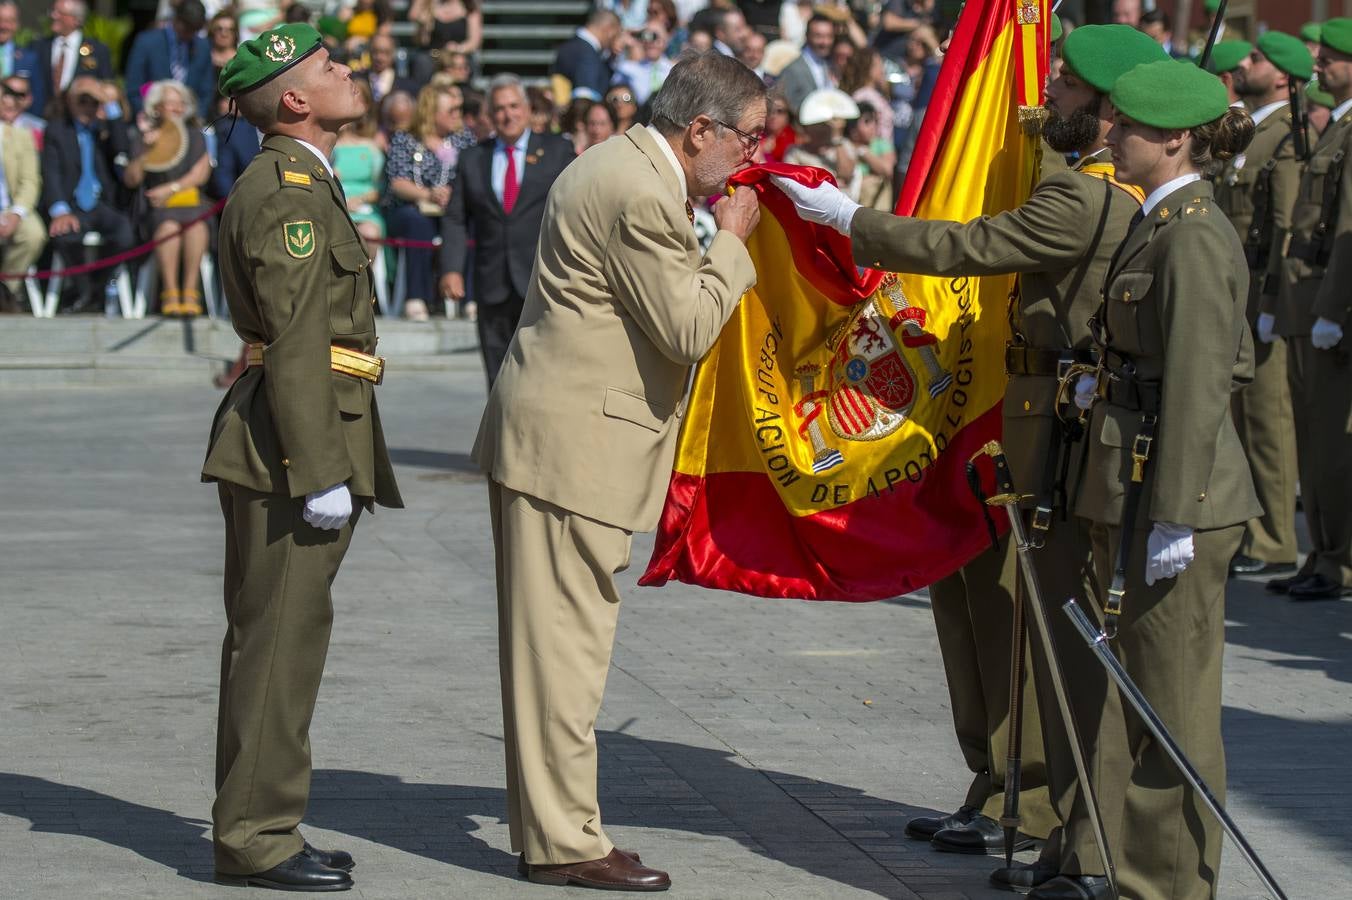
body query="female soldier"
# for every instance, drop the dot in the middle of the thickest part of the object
(1167, 486)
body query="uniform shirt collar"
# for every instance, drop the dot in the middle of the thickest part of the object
(671, 158)
(1165, 190)
(319, 156)
(1341, 109)
(1263, 112)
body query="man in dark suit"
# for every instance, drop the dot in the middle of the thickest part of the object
(53, 62)
(177, 51)
(80, 185)
(585, 58)
(499, 192)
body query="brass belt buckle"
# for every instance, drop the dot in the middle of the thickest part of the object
(1140, 452)
(380, 370)
(1042, 523)
(1112, 607)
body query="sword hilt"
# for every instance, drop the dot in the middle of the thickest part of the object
(1004, 495)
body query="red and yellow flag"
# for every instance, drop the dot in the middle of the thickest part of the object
(825, 441)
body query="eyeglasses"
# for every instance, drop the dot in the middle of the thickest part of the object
(749, 141)
(10, 92)
(647, 35)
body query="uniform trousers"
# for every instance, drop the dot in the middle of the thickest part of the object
(1263, 418)
(1321, 397)
(1166, 844)
(557, 611)
(278, 572)
(973, 616)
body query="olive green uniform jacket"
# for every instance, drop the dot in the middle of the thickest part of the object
(297, 279)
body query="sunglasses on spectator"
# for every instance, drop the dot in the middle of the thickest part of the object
(625, 97)
(11, 92)
(647, 35)
(87, 100)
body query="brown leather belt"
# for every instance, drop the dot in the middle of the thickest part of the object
(341, 359)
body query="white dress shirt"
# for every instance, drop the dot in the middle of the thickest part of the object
(671, 158)
(1258, 116)
(497, 173)
(1165, 190)
(319, 156)
(70, 45)
(1341, 109)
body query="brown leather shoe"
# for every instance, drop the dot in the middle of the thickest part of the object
(523, 869)
(617, 872)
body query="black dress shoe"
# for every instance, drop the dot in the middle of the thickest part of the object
(1248, 565)
(1023, 877)
(1073, 887)
(1284, 585)
(924, 828)
(980, 835)
(1316, 587)
(297, 873)
(334, 859)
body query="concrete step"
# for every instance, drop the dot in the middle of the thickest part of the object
(572, 9)
(516, 57)
(556, 33)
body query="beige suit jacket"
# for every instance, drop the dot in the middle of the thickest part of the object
(585, 411)
(22, 176)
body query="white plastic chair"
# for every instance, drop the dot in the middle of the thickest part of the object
(92, 240)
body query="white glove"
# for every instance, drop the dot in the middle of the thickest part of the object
(1085, 389)
(824, 204)
(330, 508)
(1266, 323)
(1325, 334)
(1169, 550)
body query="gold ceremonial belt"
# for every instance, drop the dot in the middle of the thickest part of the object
(341, 360)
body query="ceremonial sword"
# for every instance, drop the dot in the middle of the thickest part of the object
(1007, 497)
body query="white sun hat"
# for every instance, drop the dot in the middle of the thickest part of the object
(825, 104)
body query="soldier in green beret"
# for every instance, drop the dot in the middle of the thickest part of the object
(1311, 313)
(1166, 486)
(296, 449)
(1309, 33)
(1060, 242)
(1226, 58)
(1257, 191)
(1318, 107)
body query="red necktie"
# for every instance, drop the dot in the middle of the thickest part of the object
(510, 186)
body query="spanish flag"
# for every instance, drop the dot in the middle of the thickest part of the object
(824, 447)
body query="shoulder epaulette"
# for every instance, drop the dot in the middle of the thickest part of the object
(1107, 172)
(291, 175)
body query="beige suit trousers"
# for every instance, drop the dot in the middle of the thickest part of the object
(22, 249)
(557, 611)
(1263, 418)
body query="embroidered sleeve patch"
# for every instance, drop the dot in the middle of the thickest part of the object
(299, 238)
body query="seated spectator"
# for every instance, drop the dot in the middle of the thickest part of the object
(22, 235)
(420, 168)
(779, 133)
(811, 71)
(380, 76)
(223, 35)
(364, 19)
(821, 136)
(646, 74)
(877, 159)
(620, 100)
(176, 52)
(170, 192)
(585, 59)
(16, 113)
(67, 53)
(544, 115)
(601, 124)
(753, 53)
(397, 112)
(359, 164)
(573, 124)
(80, 181)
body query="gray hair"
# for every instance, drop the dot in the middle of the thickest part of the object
(504, 81)
(705, 84)
(78, 8)
(155, 96)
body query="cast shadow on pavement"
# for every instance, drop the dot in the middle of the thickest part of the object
(172, 841)
(433, 459)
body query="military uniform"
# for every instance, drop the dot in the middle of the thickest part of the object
(300, 419)
(1317, 282)
(1060, 240)
(1176, 341)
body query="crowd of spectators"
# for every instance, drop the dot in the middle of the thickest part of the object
(84, 138)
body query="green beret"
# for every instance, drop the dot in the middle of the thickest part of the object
(1319, 97)
(1211, 6)
(1288, 53)
(1337, 33)
(1057, 30)
(1227, 55)
(262, 59)
(1310, 32)
(1100, 54)
(1170, 94)
(332, 26)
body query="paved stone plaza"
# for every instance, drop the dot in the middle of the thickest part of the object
(753, 748)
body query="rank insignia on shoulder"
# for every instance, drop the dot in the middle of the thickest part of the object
(300, 178)
(299, 238)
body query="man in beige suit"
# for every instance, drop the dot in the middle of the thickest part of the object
(580, 432)
(22, 233)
